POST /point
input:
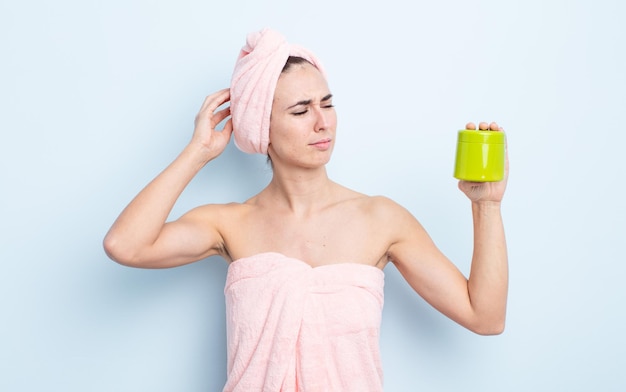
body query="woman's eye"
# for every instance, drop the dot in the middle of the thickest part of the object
(300, 113)
(330, 105)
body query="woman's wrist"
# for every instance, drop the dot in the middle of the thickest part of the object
(198, 154)
(486, 205)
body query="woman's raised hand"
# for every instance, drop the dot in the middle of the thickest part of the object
(211, 140)
(486, 191)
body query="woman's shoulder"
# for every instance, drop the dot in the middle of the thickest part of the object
(384, 207)
(390, 219)
(372, 203)
(217, 211)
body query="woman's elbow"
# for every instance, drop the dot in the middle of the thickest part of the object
(490, 328)
(117, 252)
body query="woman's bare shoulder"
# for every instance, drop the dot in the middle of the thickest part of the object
(217, 212)
(374, 203)
(388, 210)
(377, 209)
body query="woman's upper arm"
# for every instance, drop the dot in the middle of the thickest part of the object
(427, 270)
(192, 237)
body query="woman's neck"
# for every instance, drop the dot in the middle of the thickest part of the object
(301, 191)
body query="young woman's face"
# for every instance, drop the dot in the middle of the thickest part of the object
(303, 122)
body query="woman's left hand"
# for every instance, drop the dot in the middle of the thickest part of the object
(486, 191)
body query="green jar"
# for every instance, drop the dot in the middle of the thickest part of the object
(480, 156)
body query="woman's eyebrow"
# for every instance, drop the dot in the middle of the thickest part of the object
(304, 102)
(308, 101)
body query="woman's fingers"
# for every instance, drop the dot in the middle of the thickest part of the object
(210, 105)
(484, 126)
(215, 100)
(495, 127)
(220, 115)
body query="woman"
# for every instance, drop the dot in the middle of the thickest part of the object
(304, 290)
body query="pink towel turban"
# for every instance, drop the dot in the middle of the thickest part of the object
(253, 83)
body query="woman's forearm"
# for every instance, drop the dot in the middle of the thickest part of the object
(488, 281)
(140, 223)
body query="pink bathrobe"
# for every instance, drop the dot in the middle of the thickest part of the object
(292, 327)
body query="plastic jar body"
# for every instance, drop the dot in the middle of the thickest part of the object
(480, 156)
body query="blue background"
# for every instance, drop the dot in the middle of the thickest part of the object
(96, 97)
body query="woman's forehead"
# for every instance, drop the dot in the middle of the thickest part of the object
(301, 82)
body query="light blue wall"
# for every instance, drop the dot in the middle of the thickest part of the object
(96, 97)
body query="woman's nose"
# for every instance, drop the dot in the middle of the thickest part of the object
(322, 119)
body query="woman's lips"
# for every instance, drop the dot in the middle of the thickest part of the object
(323, 144)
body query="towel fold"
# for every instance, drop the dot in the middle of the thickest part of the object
(294, 328)
(252, 86)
